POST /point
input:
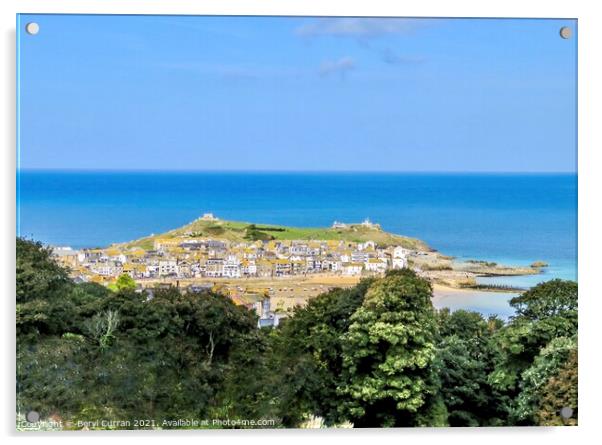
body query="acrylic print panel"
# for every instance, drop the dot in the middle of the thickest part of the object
(295, 222)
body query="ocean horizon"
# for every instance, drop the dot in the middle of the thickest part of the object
(509, 218)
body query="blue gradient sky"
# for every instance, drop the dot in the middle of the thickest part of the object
(244, 93)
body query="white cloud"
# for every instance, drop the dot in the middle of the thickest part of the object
(359, 27)
(339, 66)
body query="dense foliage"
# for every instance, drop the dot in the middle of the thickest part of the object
(377, 354)
(253, 233)
(388, 354)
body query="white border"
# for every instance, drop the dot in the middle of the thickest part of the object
(590, 187)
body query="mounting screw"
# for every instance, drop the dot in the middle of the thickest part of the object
(32, 416)
(566, 32)
(32, 28)
(566, 412)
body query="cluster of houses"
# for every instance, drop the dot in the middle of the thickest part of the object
(188, 258)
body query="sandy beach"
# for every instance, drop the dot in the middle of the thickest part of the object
(485, 302)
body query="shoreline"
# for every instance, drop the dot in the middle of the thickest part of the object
(486, 303)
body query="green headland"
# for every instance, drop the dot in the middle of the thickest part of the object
(238, 231)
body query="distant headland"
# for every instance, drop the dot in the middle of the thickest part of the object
(209, 250)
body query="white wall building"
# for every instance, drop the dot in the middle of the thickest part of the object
(168, 267)
(104, 269)
(359, 257)
(400, 258)
(352, 269)
(249, 268)
(231, 267)
(214, 267)
(378, 265)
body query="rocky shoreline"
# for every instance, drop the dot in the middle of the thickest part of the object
(450, 272)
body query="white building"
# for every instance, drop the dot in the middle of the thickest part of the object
(400, 258)
(378, 265)
(313, 264)
(346, 257)
(168, 267)
(359, 257)
(152, 269)
(209, 217)
(299, 249)
(104, 269)
(369, 224)
(329, 264)
(352, 269)
(249, 268)
(231, 267)
(336, 266)
(214, 267)
(120, 257)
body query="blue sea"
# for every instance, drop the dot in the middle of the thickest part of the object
(507, 218)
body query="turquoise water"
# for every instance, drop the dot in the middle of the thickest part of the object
(507, 218)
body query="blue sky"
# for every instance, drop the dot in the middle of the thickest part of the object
(280, 93)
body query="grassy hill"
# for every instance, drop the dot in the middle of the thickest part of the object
(246, 232)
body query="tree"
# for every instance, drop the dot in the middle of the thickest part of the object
(306, 356)
(250, 388)
(50, 375)
(464, 361)
(38, 276)
(535, 379)
(560, 392)
(252, 233)
(463, 381)
(464, 324)
(545, 312)
(124, 283)
(86, 352)
(388, 354)
(43, 292)
(172, 354)
(549, 299)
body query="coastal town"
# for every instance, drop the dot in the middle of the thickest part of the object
(257, 270)
(204, 262)
(190, 258)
